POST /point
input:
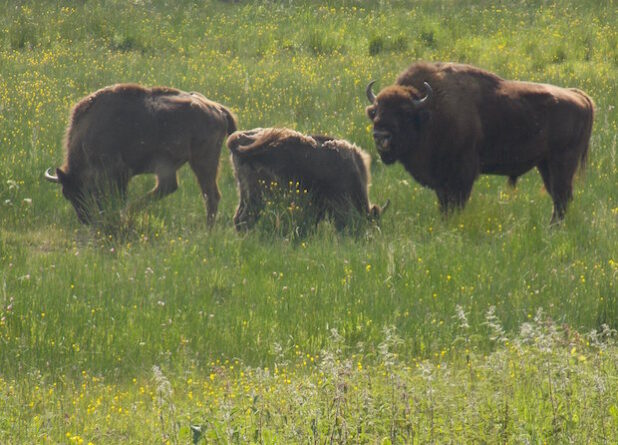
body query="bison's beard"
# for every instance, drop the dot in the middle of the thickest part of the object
(388, 157)
(384, 144)
(387, 151)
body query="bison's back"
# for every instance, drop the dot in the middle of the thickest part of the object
(512, 124)
(533, 122)
(137, 125)
(115, 94)
(323, 163)
(310, 164)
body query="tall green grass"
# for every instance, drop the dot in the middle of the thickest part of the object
(159, 289)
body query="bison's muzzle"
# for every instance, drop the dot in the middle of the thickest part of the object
(382, 138)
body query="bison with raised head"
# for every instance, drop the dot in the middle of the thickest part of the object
(126, 130)
(335, 172)
(447, 123)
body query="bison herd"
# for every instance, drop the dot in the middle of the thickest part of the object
(446, 123)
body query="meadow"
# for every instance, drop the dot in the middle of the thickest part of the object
(486, 327)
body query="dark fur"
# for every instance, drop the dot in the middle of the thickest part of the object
(477, 123)
(335, 172)
(125, 130)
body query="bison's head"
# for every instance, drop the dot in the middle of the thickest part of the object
(398, 114)
(73, 191)
(376, 212)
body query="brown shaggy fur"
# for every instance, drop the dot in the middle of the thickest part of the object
(474, 123)
(125, 130)
(334, 171)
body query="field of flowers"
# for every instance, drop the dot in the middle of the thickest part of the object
(487, 327)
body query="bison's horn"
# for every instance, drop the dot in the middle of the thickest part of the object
(428, 93)
(50, 177)
(370, 95)
(385, 206)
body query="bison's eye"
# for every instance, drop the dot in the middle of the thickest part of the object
(371, 112)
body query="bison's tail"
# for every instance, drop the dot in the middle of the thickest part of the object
(243, 143)
(232, 125)
(587, 129)
(233, 142)
(255, 142)
(587, 134)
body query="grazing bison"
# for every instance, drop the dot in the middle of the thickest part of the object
(125, 130)
(447, 123)
(335, 172)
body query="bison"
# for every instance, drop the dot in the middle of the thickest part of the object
(333, 171)
(447, 123)
(126, 130)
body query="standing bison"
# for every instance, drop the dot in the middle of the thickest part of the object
(126, 130)
(447, 123)
(333, 171)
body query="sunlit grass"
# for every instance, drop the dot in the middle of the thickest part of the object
(544, 383)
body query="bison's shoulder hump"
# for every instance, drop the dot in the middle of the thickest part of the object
(446, 75)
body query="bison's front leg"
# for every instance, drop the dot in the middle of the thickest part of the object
(166, 183)
(246, 217)
(248, 212)
(251, 202)
(456, 180)
(453, 197)
(449, 202)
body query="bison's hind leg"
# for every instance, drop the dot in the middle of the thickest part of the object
(558, 176)
(562, 188)
(205, 170)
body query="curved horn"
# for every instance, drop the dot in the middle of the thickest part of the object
(50, 177)
(385, 206)
(428, 93)
(370, 95)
